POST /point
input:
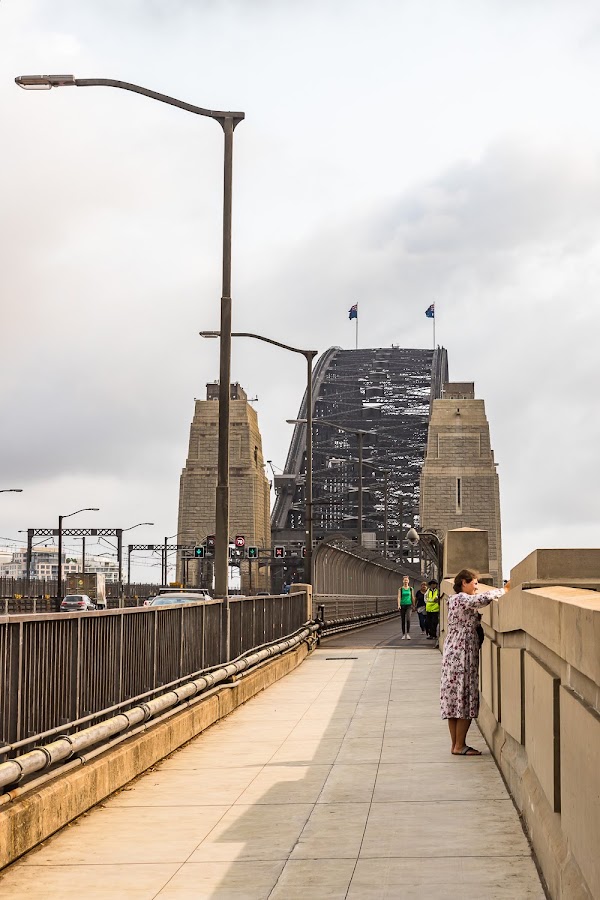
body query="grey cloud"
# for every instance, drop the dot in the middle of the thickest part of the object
(512, 198)
(110, 248)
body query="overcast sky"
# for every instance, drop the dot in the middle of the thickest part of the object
(395, 153)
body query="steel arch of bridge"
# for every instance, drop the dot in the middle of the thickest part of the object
(388, 391)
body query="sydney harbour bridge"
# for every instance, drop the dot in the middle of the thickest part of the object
(382, 398)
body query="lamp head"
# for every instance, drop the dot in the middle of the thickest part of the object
(412, 536)
(44, 82)
(209, 334)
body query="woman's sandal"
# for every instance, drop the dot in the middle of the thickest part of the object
(467, 751)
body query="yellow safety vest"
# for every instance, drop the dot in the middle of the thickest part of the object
(432, 602)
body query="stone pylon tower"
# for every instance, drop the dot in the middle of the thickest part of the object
(459, 482)
(249, 498)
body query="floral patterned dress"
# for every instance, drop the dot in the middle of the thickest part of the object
(459, 689)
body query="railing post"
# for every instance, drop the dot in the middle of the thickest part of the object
(225, 630)
(308, 591)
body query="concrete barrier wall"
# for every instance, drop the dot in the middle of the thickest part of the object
(540, 713)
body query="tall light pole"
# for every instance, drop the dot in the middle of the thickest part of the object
(415, 537)
(120, 554)
(228, 121)
(309, 356)
(360, 435)
(385, 473)
(164, 567)
(60, 521)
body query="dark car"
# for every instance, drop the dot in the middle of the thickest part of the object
(76, 603)
(175, 599)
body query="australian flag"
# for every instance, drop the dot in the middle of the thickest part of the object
(430, 311)
(353, 312)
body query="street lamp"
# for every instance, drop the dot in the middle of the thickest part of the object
(11, 491)
(228, 122)
(360, 434)
(309, 356)
(139, 524)
(385, 473)
(60, 521)
(415, 537)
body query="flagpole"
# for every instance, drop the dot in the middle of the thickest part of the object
(356, 332)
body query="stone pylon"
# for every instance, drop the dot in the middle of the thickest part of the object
(459, 482)
(249, 491)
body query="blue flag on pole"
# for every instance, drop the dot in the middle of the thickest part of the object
(353, 313)
(430, 311)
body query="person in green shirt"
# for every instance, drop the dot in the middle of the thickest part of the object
(407, 604)
(432, 610)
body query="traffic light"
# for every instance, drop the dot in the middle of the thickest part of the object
(279, 552)
(252, 552)
(210, 544)
(240, 541)
(199, 552)
(304, 551)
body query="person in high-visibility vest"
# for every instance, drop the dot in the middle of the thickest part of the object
(432, 610)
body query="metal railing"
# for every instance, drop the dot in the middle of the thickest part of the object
(62, 671)
(18, 595)
(340, 564)
(337, 606)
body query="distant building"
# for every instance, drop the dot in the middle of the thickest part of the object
(44, 564)
(6, 554)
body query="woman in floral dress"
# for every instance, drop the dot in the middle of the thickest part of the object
(459, 690)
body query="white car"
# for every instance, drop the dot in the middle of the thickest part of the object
(77, 603)
(194, 593)
(177, 598)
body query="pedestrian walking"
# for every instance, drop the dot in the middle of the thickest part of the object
(407, 603)
(459, 688)
(421, 608)
(432, 609)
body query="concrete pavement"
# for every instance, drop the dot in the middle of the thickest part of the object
(337, 782)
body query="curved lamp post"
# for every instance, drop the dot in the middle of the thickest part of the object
(309, 356)
(386, 474)
(360, 434)
(228, 122)
(60, 521)
(131, 527)
(415, 537)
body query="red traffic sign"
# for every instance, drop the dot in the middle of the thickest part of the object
(240, 540)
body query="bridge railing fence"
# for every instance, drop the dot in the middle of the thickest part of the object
(338, 606)
(60, 672)
(18, 595)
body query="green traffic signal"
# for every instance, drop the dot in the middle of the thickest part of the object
(252, 552)
(199, 552)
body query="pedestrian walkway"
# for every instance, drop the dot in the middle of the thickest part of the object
(337, 782)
